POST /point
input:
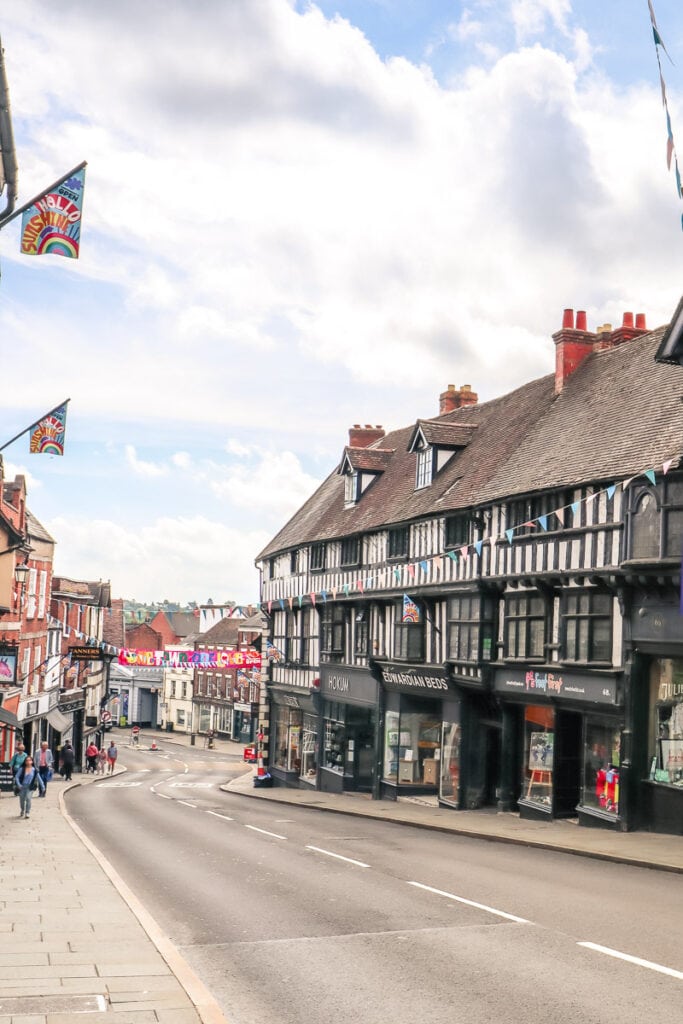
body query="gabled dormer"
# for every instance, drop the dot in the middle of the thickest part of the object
(434, 444)
(360, 467)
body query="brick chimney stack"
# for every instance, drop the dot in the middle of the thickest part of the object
(574, 342)
(362, 437)
(452, 399)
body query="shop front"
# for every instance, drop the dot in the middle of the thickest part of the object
(350, 722)
(561, 745)
(422, 735)
(657, 711)
(294, 728)
(244, 721)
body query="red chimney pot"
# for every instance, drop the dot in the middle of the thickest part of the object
(628, 320)
(581, 320)
(640, 322)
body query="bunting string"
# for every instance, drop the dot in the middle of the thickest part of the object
(419, 570)
(671, 156)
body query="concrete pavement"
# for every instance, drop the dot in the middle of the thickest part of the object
(73, 938)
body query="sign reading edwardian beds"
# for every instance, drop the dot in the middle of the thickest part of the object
(189, 659)
(562, 685)
(428, 682)
(86, 654)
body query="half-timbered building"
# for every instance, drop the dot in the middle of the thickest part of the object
(482, 608)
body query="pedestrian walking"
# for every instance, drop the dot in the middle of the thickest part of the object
(68, 760)
(112, 754)
(44, 762)
(18, 758)
(91, 753)
(101, 761)
(28, 779)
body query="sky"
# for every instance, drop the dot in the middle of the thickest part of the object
(300, 216)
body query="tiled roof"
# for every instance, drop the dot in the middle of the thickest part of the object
(224, 632)
(446, 435)
(620, 413)
(371, 460)
(35, 528)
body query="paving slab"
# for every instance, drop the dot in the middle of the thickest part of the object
(56, 961)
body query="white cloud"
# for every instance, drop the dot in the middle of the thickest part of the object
(182, 559)
(285, 234)
(142, 468)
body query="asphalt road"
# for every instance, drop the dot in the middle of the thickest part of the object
(294, 915)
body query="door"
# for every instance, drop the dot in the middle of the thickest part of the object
(568, 764)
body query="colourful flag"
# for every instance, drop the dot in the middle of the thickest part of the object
(47, 435)
(273, 653)
(53, 223)
(411, 613)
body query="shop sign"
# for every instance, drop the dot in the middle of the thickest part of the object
(86, 654)
(340, 683)
(562, 685)
(428, 682)
(6, 778)
(8, 664)
(245, 708)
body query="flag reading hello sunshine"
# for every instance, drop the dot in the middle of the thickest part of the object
(47, 435)
(52, 225)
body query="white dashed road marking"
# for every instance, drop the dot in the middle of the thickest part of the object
(265, 832)
(470, 903)
(633, 960)
(338, 856)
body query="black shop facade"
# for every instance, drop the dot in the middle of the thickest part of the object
(561, 745)
(440, 735)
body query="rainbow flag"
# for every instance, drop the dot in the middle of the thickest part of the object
(411, 612)
(52, 225)
(47, 435)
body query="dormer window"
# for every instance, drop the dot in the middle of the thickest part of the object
(351, 488)
(425, 467)
(361, 467)
(435, 444)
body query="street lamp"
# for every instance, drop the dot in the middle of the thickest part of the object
(21, 571)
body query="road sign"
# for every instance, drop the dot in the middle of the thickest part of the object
(135, 730)
(106, 716)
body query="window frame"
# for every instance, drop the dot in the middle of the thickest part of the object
(591, 617)
(473, 626)
(350, 554)
(523, 619)
(398, 542)
(318, 556)
(333, 631)
(424, 467)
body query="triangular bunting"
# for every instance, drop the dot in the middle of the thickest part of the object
(508, 534)
(312, 597)
(411, 571)
(478, 546)
(464, 551)
(650, 474)
(610, 491)
(424, 566)
(543, 521)
(667, 466)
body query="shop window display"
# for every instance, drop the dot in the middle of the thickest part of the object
(309, 756)
(539, 749)
(288, 739)
(449, 787)
(601, 767)
(335, 741)
(412, 748)
(666, 721)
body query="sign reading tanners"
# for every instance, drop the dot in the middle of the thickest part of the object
(407, 679)
(86, 654)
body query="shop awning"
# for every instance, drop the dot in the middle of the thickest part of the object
(7, 718)
(59, 722)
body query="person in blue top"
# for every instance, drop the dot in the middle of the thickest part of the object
(28, 781)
